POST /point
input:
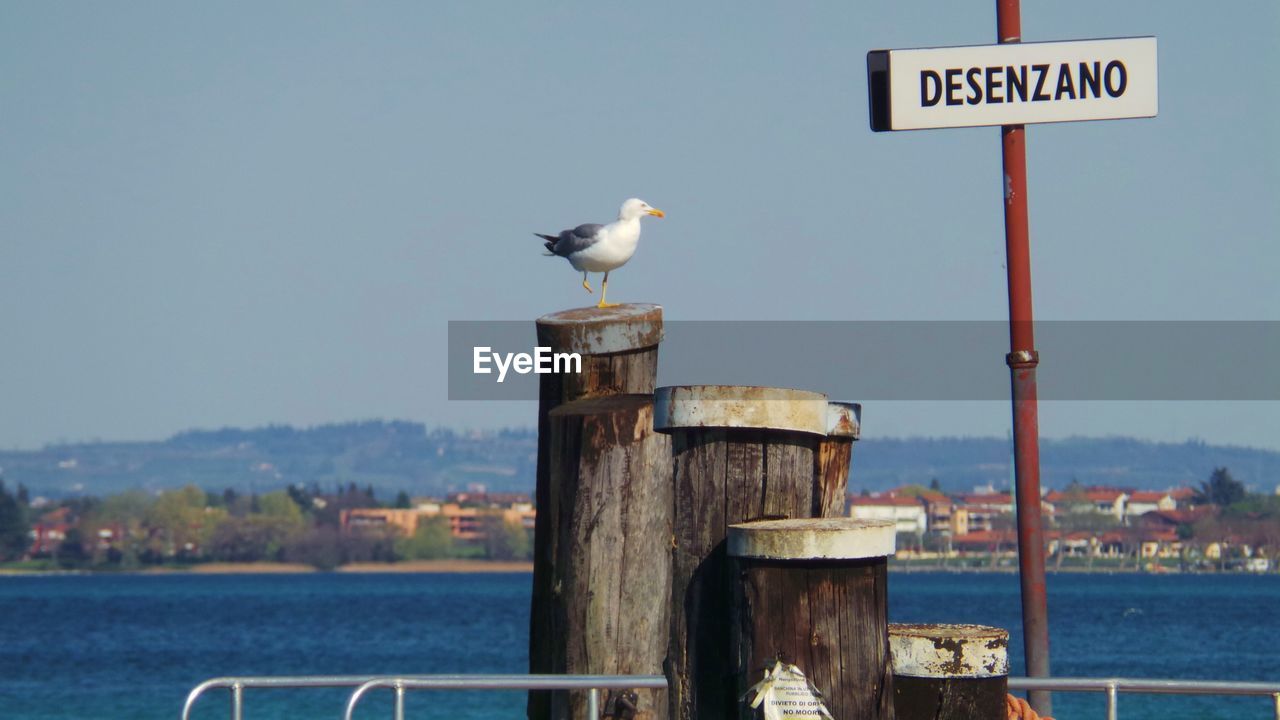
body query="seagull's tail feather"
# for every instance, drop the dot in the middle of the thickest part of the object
(550, 244)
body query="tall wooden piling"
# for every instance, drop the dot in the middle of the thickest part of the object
(949, 672)
(835, 452)
(812, 595)
(576, 464)
(740, 453)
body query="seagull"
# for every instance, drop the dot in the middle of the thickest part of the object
(601, 248)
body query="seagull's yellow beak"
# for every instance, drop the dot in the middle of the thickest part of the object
(656, 212)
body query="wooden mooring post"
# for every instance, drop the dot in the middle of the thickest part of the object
(835, 452)
(603, 497)
(809, 617)
(740, 454)
(949, 672)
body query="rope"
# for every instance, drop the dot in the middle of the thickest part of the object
(1017, 709)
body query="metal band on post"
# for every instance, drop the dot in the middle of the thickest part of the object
(1022, 359)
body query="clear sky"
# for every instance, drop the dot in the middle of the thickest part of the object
(243, 213)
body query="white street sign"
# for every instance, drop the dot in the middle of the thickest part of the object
(1012, 84)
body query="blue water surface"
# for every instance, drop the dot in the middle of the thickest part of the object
(132, 646)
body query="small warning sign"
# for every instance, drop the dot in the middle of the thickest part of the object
(786, 694)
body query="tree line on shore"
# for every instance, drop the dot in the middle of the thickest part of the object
(135, 529)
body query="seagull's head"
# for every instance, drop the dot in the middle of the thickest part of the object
(635, 207)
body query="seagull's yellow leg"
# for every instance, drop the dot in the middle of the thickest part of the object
(584, 283)
(604, 288)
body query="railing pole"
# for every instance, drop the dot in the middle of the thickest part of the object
(1022, 360)
(399, 701)
(593, 704)
(237, 702)
(1112, 700)
(1276, 698)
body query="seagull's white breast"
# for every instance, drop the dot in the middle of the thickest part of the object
(617, 244)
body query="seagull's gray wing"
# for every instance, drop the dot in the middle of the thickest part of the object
(569, 242)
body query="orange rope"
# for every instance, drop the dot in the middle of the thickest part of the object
(1018, 709)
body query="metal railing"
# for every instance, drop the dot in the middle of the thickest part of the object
(593, 684)
(237, 686)
(1114, 686)
(362, 684)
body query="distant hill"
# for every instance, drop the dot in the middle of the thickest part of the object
(390, 456)
(394, 455)
(960, 464)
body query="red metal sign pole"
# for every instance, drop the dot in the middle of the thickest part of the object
(1022, 360)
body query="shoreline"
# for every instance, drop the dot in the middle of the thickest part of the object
(470, 567)
(272, 568)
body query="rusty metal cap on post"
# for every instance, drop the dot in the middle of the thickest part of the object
(739, 406)
(602, 331)
(949, 651)
(844, 419)
(813, 539)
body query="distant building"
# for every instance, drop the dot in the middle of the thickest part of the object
(980, 512)
(1073, 544)
(1185, 497)
(1160, 543)
(403, 520)
(481, 498)
(907, 513)
(938, 508)
(109, 536)
(1142, 502)
(1102, 500)
(1171, 519)
(985, 541)
(48, 532)
(465, 523)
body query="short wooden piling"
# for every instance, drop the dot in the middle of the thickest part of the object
(619, 351)
(740, 453)
(835, 452)
(949, 672)
(813, 594)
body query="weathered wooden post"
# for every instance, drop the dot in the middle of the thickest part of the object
(835, 452)
(812, 595)
(619, 348)
(740, 453)
(599, 455)
(949, 672)
(609, 516)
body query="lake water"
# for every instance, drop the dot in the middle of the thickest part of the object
(132, 646)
